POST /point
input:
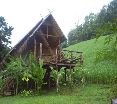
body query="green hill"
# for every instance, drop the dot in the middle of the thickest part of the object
(103, 72)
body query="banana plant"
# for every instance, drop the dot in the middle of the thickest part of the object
(57, 75)
(38, 73)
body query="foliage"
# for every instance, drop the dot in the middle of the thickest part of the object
(5, 34)
(113, 91)
(26, 75)
(25, 69)
(26, 93)
(38, 71)
(34, 70)
(64, 44)
(1, 84)
(57, 75)
(79, 75)
(14, 68)
(70, 78)
(109, 53)
(85, 31)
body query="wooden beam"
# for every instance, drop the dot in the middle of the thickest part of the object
(72, 51)
(53, 36)
(40, 45)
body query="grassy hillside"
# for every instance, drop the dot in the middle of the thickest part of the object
(101, 72)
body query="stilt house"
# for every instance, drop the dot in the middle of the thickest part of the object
(44, 41)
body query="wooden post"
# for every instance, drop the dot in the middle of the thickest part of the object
(40, 56)
(60, 49)
(47, 31)
(71, 77)
(35, 48)
(57, 81)
(56, 55)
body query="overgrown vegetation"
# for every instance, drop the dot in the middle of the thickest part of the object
(58, 76)
(102, 72)
(23, 70)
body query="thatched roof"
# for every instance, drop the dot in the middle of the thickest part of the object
(32, 32)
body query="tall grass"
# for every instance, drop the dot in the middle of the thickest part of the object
(103, 72)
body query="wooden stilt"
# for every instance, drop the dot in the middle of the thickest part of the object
(56, 55)
(70, 73)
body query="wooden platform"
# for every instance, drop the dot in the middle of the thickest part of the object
(59, 65)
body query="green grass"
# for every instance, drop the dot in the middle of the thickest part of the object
(101, 72)
(90, 94)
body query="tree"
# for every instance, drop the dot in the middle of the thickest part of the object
(89, 27)
(108, 27)
(109, 53)
(85, 31)
(5, 34)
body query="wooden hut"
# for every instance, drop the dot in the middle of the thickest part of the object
(44, 41)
